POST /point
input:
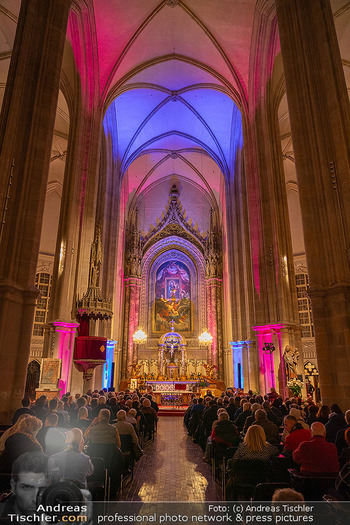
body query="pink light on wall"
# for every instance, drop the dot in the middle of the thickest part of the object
(266, 366)
(64, 346)
(269, 363)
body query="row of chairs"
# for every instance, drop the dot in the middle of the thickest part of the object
(257, 479)
(113, 466)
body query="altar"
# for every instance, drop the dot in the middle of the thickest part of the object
(171, 392)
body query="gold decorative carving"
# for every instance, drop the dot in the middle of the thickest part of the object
(212, 250)
(133, 247)
(93, 303)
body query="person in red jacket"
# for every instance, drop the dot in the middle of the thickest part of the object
(317, 456)
(297, 434)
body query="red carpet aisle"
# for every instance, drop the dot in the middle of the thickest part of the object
(172, 469)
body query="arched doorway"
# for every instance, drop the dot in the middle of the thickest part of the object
(33, 376)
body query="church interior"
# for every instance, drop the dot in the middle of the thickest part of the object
(191, 185)
(175, 180)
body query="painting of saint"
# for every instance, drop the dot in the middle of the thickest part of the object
(50, 371)
(173, 288)
(173, 297)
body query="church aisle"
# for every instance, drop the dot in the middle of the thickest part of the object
(172, 469)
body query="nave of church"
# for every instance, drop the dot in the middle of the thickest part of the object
(173, 197)
(172, 468)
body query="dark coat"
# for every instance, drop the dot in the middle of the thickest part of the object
(271, 430)
(241, 419)
(226, 432)
(15, 446)
(335, 423)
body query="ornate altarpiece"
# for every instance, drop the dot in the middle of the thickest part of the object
(192, 264)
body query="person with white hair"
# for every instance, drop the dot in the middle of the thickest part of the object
(317, 456)
(71, 463)
(124, 428)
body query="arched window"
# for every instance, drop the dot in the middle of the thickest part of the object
(304, 305)
(43, 282)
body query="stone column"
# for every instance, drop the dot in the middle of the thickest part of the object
(117, 367)
(228, 368)
(237, 347)
(320, 123)
(63, 337)
(250, 365)
(244, 353)
(26, 130)
(214, 321)
(132, 302)
(271, 366)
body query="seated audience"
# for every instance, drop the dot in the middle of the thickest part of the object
(231, 408)
(74, 413)
(311, 416)
(82, 422)
(271, 416)
(317, 456)
(340, 441)
(131, 418)
(335, 423)
(241, 419)
(71, 463)
(100, 431)
(24, 440)
(225, 431)
(124, 428)
(101, 405)
(323, 414)
(344, 457)
(39, 408)
(53, 405)
(50, 437)
(65, 415)
(272, 395)
(296, 434)
(10, 431)
(254, 446)
(287, 495)
(151, 417)
(23, 410)
(251, 419)
(271, 430)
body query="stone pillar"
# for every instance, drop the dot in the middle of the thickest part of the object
(214, 322)
(26, 130)
(117, 367)
(320, 123)
(250, 365)
(271, 366)
(237, 347)
(228, 368)
(62, 336)
(132, 302)
(244, 354)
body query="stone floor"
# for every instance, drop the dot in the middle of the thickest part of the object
(172, 469)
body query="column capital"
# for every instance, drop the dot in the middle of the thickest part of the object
(274, 328)
(65, 326)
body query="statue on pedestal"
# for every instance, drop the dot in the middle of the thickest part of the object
(290, 357)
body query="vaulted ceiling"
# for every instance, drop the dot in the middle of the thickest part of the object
(173, 79)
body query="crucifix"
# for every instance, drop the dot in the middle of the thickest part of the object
(172, 346)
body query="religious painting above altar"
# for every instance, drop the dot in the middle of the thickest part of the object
(173, 297)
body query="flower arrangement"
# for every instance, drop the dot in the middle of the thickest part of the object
(295, 385)
(202, 383)
(268, 348)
